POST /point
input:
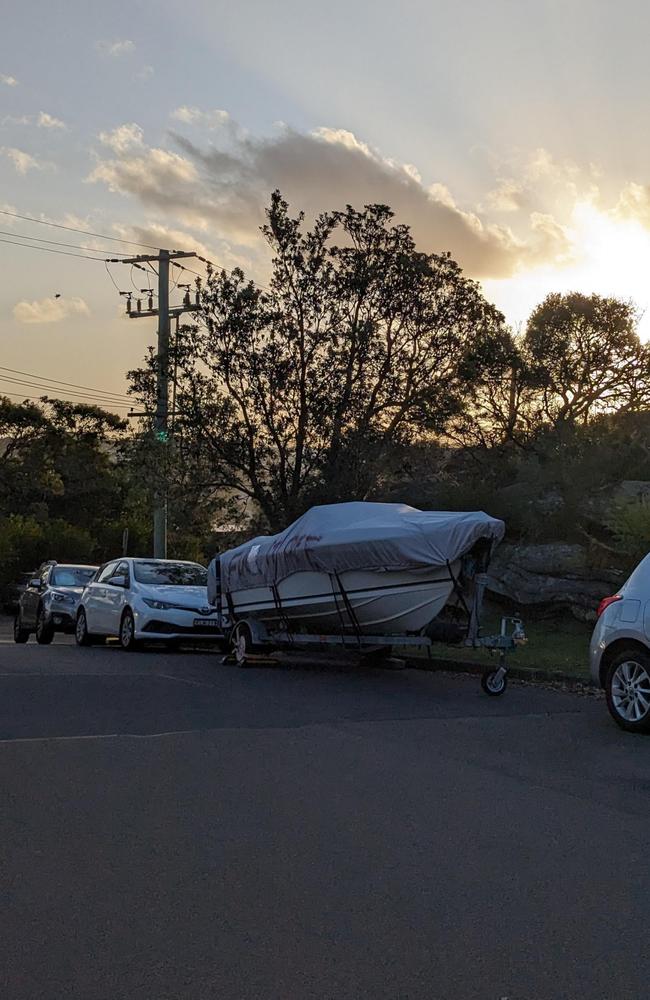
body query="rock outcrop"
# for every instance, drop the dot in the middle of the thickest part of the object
(552, 575)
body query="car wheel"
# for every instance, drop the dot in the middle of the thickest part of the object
(44, 629)
(127, 631)
(20, 634)
(81, 634)
(627, 689)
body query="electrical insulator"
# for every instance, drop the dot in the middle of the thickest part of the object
(128, 304)
(198, 297)
(150, 301)
(139, 305)
(186, 299)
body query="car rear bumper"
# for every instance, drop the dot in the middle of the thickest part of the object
(597, 647)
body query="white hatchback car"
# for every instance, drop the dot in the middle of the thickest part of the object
(137, 599)
(620, 651)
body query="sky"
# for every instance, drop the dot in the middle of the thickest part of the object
(508, 132)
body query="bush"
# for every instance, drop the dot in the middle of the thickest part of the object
(629, 523)
(26, 542)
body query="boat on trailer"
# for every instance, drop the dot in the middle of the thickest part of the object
(370, 575)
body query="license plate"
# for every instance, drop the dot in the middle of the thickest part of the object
(206, 623)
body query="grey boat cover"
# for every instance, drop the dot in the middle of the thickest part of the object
(336, 538)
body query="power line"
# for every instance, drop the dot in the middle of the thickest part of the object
(217, 267)
(108, 272)
(58, 243)
(65, 253)
(38, 399)
(56, 381)
(73, 229)
(71, 392)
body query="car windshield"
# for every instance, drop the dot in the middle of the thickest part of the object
(171, 574)
(71, 576)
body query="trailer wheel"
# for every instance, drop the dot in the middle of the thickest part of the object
(242, 644)
(494, 682)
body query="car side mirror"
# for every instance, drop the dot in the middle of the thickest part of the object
(35, 583)
(118, 581)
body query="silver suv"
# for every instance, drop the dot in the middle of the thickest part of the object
(49, 603)
(619, 653)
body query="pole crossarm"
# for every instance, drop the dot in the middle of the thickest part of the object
(144, 258)
(174, 311)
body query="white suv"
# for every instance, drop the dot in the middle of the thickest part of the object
(619, 653)
(137, 599)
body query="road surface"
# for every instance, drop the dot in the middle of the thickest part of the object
(175, 829)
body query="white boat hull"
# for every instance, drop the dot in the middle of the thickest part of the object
(383, 602)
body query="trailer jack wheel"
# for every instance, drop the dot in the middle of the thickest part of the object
(494, 682)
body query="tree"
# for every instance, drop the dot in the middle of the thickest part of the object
(297, 394)
(583, 355)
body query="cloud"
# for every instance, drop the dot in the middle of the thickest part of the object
(9, 81)
(229, 187)
(226, 187)
(21, 160)
(507, 197)
(49, 121)
(42, 120)
(145, 73)
(194, 116)
(123, 139)
(49, 310)
(17, 120)
(634, 203)
(117, 48)
(141, 170)
(219, 252)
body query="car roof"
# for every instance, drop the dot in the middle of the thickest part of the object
(174, 562)
(73, 566)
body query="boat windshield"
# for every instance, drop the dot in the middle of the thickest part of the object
(161, 574)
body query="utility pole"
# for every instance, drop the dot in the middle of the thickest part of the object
(161, 415)
(162, 402)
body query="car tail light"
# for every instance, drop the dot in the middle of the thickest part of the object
(606, 601)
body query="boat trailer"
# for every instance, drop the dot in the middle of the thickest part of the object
(252, 642)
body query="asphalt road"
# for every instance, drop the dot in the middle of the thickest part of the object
(173, 828)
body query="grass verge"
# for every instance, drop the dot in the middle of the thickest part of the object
(556, 645)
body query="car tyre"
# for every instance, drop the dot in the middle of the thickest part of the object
(44, 629)
(128, 641)
(81, 634)
(20, 634)
(627, 689)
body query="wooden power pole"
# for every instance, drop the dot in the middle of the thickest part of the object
(161, 415)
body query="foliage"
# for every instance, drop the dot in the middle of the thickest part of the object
(26, 542)
(366, 369)
(299, 394)
(629, 523)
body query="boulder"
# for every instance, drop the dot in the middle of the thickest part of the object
(552, 575)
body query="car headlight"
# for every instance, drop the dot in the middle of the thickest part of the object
(62, 598)
(158, 605)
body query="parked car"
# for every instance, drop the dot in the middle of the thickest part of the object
(137, 599)
(620, 651)
(49, 602)
(14, 590)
